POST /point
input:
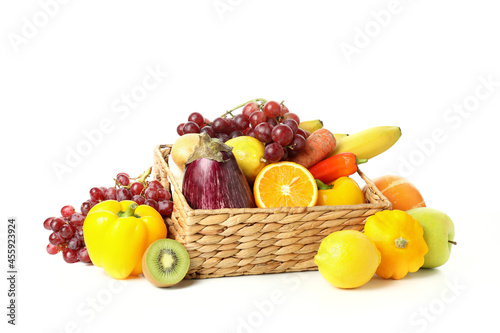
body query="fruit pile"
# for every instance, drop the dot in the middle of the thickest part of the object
(269, 122)
(67, 231)
(262, 138)
(317, 173)
(263, 157)
(393, 244)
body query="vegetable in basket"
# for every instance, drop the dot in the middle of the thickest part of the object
(318, 145)
(343, 191)
(336, 166)
(213, 179)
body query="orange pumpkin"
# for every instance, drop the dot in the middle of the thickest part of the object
(400, 240)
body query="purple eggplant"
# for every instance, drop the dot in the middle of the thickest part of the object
(213, 179)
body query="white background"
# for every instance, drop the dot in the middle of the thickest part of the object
(62, 75)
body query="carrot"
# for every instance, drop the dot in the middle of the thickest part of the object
(318, 145)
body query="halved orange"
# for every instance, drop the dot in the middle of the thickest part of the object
(285, 184)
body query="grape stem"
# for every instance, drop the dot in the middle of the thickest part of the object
(257, 100)
(140, 179)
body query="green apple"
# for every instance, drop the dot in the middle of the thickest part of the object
(439, 232)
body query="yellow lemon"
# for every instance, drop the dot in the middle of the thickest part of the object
(347, 259)
(249, 153)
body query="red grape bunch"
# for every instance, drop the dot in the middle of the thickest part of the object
(67, 230)
(67, 235)
(268, 121)
(139, 190)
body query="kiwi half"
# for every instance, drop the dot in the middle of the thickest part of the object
(165, 262)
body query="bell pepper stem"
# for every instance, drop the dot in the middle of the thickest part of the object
(130, 211)
(323, 186)
(361, 160)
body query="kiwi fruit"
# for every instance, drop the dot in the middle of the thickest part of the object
(165, 262)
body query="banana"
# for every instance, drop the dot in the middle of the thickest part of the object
(339, 136)
(368, 143)
(311, 125)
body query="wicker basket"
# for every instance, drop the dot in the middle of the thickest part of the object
(247, 241)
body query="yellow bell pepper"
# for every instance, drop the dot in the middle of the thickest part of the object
(118, 233)
(343, 191)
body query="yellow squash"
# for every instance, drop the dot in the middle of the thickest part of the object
(400, 240)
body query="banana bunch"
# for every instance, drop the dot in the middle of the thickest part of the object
(365, 144)
(311, 125)
(368, 143)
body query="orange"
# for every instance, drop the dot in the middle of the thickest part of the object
(285, 184)
(400, 192)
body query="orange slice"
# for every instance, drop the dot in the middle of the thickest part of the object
(285, 184)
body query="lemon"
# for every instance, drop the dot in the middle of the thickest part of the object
(347, 259)
(249, 153)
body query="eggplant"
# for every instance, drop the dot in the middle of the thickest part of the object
(213, 179)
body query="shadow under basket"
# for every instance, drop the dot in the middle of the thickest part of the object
(249, 241)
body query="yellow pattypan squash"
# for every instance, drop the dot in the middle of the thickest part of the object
(400, 240)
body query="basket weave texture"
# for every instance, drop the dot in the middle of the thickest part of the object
(248, 241)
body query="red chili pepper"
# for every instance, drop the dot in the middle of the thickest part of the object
(336, 166)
